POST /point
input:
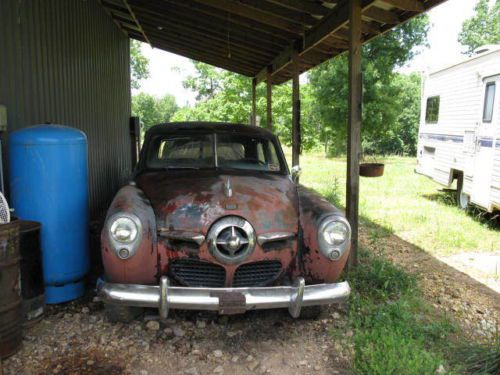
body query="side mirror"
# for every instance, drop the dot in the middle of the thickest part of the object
(296, 171)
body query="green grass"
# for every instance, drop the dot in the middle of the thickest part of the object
(407, 204)
(393, 331)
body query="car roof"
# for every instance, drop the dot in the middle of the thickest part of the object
(222, 127)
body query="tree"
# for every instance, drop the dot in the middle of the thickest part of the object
(152, 110)
(139, 65)
(402, 136)
(482, 28)
(381, 56)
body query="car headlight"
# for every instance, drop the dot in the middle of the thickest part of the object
(125, 233)
(334, 235)
(124, 230)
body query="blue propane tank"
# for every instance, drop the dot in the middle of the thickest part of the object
(49, 184)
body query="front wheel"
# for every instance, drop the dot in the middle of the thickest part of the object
(463, 199)
(121, 314)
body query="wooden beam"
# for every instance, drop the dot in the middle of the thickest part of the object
(136, 21)
(269, 90)
(354, 126)
(194, 7)
(370, 28)
(254, 14)
(202, 45)
(381, 15)
(168, 14)
(281, 11)
(296, 141)
(205, 56)
(336, 19)
(253, 116)
(208, 38)
(410, 5)
(304, 6)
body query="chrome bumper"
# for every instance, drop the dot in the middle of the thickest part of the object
(224, 300)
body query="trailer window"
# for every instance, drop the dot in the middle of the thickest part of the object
(489, 98)
(432, 110)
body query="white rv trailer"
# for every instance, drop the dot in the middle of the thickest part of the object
(459, 135)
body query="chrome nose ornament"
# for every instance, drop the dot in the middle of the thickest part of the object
(231, 239)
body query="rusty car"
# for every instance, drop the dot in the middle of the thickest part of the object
(213, 219)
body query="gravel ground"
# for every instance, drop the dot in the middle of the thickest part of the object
(77, 339)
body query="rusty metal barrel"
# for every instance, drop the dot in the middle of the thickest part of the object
(10, 299)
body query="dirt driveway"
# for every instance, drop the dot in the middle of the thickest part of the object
(77, 339)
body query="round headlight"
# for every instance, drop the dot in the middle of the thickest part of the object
(335, 233)
(124, 230)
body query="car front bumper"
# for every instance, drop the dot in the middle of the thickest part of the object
(224, 300)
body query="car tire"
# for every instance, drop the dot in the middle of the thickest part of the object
(462, 198)
(122, 314)
(310, 312)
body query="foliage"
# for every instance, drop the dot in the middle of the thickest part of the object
(152, 110)
(402, 136)
(139, 65)
(395, 331)
(390, 105)
(381, 86)
(482, 28)
(226, 96)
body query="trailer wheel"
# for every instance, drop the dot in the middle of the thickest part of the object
(463, 199)
(121, 314)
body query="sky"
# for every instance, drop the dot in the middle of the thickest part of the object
(167, 71)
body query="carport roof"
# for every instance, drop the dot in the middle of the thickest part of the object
(254, 37)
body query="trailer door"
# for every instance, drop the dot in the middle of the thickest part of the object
(485, 142)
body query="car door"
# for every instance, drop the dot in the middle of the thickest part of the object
(485, 141)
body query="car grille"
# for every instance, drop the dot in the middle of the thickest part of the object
(257, 274)
(197, 273)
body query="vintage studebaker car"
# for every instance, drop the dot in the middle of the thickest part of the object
(213, 220)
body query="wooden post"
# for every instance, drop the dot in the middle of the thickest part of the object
(253, 116)
(269, 82)
(135, 139)
(354, 127)
(295, 109)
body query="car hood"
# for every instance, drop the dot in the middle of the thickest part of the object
(192, 200)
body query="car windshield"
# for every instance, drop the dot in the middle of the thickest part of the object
(196, 151)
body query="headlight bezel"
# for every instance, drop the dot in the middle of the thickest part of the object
(119, 246)
(333, 251)
(123, 219)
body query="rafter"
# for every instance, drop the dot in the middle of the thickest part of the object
(381, 15)
(255, 14)
(304, 6)
(170, 22)
(410, 5)
(328, 25)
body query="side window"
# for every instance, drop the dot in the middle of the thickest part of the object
(489, 100)
(432, 110)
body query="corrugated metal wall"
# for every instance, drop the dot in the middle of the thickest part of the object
(66, 62)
